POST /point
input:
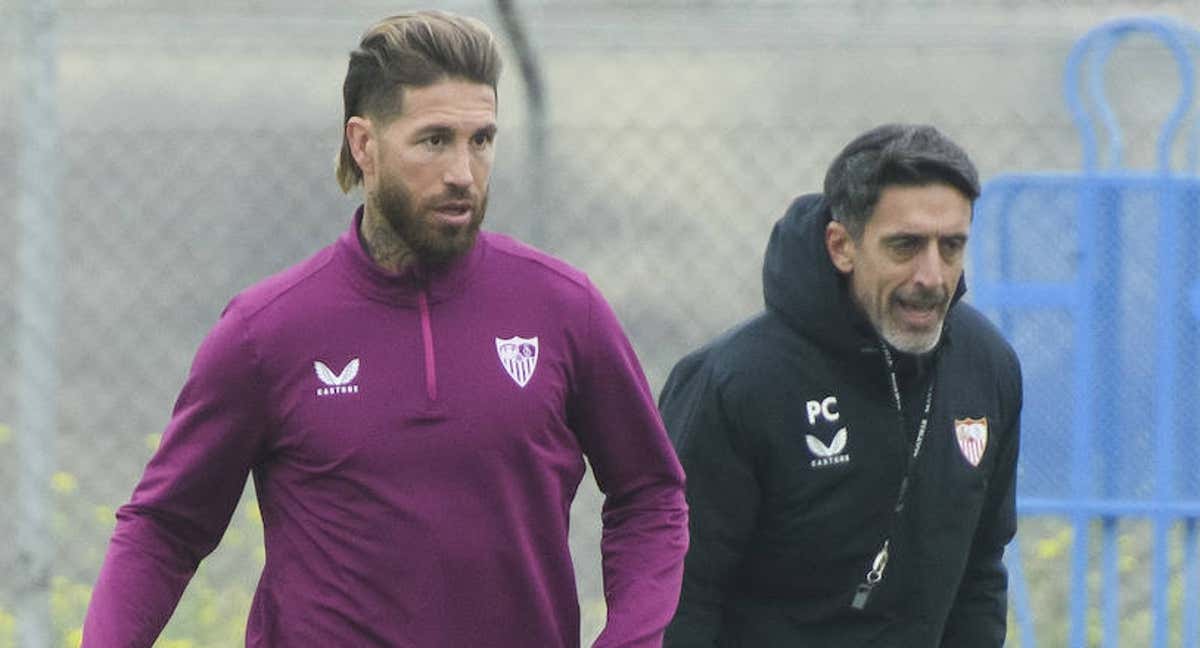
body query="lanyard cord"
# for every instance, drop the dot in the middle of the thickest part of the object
(879, 564)
(924, 424)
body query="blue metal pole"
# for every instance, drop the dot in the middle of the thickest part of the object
(1020, 594)
(1004, 255)
(1191, 629)
(1084, 416)
(1111, 585)
(1107, 380)
(1189, 430)
(1168, 316)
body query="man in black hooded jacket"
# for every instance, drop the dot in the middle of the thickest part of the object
(851, 451)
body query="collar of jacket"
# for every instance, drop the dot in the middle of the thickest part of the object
(801, 284)
(403, 288)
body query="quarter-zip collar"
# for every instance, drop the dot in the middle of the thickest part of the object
(414, 287)
(404, 288)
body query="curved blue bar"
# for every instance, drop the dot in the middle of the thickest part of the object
(1192, 157)
(1096, 68)
(1098, 44)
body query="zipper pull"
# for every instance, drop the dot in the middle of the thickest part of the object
(863, 593)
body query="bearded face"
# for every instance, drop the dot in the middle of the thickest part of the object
(910, 318)
(429, 168)
(438, 229)
(905, 267)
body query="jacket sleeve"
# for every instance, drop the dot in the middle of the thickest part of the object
(979, 614)
(644, 516)
(182, 505)
(723, 498)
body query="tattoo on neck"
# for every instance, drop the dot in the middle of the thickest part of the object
(383, 245)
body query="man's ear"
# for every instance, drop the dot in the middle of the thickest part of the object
(841, 247)
(361, 137)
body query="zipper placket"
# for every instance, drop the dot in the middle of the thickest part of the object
(427, 340)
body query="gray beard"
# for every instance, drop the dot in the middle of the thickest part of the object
(913, 344)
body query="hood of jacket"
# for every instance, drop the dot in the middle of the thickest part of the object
(801, 284)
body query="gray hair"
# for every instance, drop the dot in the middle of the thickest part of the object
(893, 154)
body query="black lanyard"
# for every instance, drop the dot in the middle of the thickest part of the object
(879, 564)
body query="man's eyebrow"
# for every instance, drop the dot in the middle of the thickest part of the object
(433, 129)
(902, 236)
(445, 129)
(898, 236)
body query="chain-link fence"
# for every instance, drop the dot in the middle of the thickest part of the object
(195, 154)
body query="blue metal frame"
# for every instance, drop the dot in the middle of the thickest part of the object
(1098, 379)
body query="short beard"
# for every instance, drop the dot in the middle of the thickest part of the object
(892, 332)
(905, 342)
(433, 245)
(916, 343)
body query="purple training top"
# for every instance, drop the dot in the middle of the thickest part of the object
(416, 442)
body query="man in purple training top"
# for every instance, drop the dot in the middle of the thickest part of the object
(414, 403)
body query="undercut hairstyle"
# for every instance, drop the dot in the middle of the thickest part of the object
(412, 50)
(893, 154)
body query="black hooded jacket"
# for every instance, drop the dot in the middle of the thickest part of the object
(794, 452)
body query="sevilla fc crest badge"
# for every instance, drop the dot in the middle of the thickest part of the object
(972, 438)
(519, 357)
